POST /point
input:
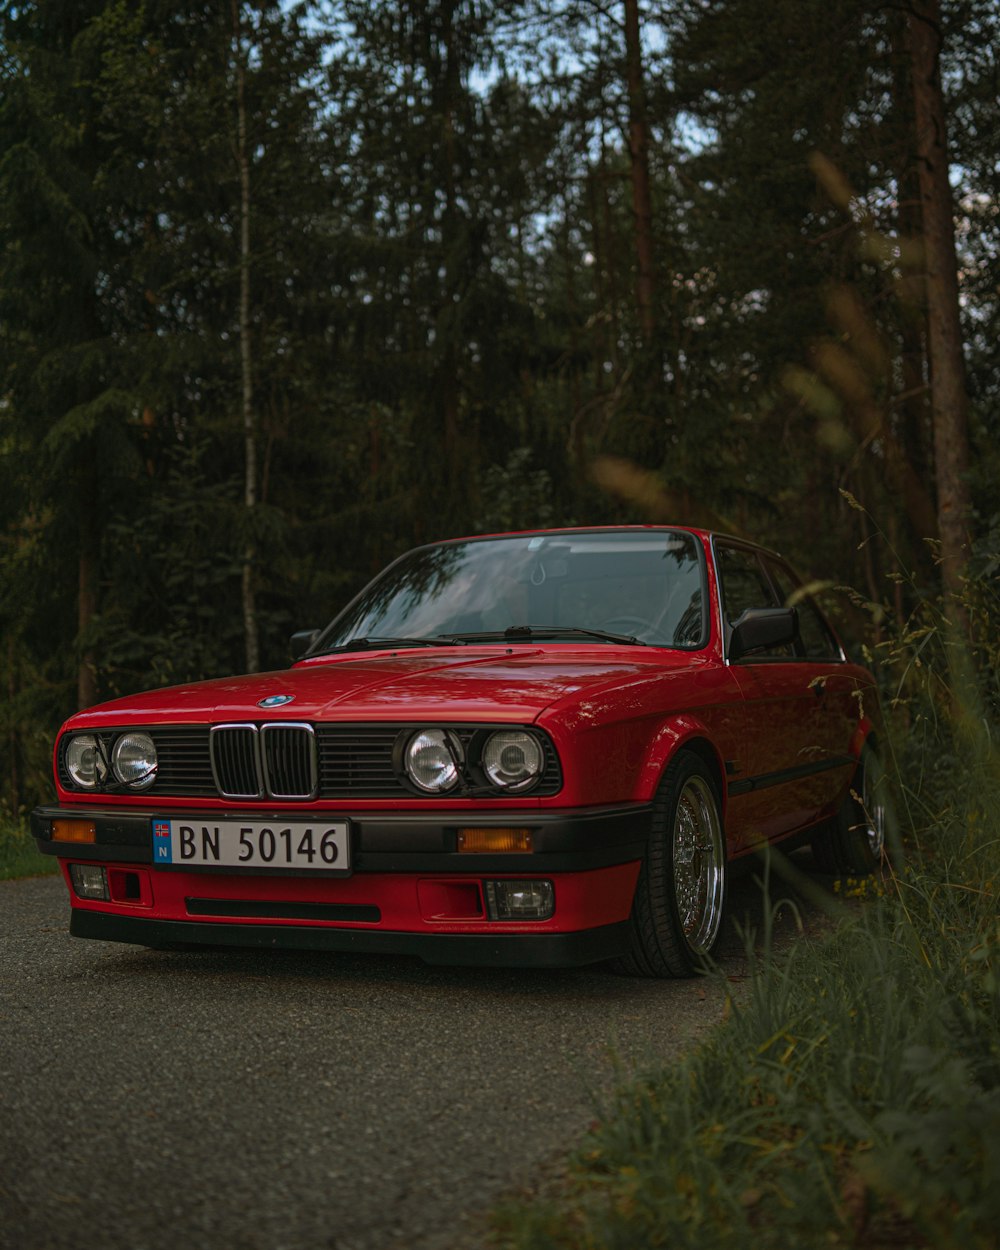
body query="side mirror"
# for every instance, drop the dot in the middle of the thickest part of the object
(763, 627)
(300, 643)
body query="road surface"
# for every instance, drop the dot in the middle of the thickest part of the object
(294, 1101)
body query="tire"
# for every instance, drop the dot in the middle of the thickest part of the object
(858, 838)
(681, 892)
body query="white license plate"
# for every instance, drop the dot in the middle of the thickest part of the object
(302, 846)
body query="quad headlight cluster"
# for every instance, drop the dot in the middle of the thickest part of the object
(431, 760)
(510, 760)
(93, 762)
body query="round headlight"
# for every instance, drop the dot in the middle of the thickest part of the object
(134, 760)
(432, 760)
(512, 759)
(85, 762)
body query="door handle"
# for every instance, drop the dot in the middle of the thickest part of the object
(818, 686)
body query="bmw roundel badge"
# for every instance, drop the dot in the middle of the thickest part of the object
(275, 700)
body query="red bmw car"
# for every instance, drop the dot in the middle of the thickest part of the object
(543, 748)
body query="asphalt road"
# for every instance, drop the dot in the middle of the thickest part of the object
(280, 1101)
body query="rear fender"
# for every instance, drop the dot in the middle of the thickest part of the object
(869, 724)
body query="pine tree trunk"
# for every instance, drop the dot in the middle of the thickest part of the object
(642, 200)
(606, 261)
(949, 398)
(87, 573)
(13, 737)
(246, 371)
(459, 447)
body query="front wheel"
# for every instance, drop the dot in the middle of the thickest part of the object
(681, 892)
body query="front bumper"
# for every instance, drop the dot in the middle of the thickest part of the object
(410, 890)
(496, 949)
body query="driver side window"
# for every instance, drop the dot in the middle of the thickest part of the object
(818, 643)
(745, 585)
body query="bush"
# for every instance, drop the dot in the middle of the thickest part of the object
(853, 1099)
(18, 856)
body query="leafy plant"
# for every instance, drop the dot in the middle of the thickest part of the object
(18, 856)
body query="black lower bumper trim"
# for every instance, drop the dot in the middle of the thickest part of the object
(346, 913)
(565, 839)
(511, 950)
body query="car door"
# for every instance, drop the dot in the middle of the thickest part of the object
(835, 711)
(775, 787)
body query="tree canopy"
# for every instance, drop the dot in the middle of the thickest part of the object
(285, 289)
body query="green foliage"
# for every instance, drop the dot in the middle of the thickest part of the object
(852, 1098)
(515, 496)
(18, 856)
(444, 332)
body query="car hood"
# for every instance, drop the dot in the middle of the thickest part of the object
(513, 685)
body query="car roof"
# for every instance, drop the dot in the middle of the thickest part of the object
(704, 534)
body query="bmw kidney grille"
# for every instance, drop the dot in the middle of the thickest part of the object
(276, 760)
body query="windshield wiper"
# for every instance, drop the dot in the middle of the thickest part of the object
(375, 642)
(513, 633)
(527, 633)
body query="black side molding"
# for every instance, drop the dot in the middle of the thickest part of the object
(765, 780)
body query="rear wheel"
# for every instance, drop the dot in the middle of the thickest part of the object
(857, 839)
(679, 898)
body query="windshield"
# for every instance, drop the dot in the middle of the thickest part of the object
(648, 585)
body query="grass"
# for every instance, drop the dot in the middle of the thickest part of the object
(18, 856)
(851, 1100)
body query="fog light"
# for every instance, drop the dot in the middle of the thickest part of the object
(520, 900)
(73, 831)
(494, 841)
(89, 881)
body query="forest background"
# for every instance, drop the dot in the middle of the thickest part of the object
(286, 289)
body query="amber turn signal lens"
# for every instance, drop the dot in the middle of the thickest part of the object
(495, 841)
(74, 831)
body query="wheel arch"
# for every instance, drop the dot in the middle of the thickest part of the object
(684, 734)
(865, 734)
(870, 726)
(709, 756)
